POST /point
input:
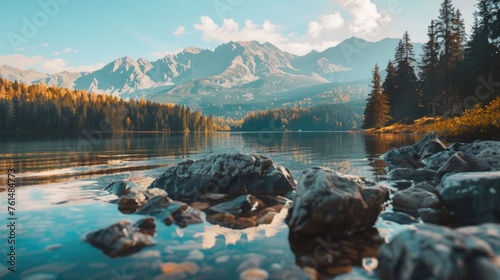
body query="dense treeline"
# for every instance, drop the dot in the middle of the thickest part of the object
(456, 72)
(37, 107)
(331, 117)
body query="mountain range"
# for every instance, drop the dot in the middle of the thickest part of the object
(233, 74)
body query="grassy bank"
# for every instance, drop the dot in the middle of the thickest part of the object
(481, 123)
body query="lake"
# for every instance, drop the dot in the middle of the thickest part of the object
(59, 199)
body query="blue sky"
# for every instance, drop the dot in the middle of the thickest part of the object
(77, 35)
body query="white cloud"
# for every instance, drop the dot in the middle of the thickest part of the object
(56, 53)
(231, 30)
(69, 50)
(45, 45)
(365, 16)
(327, 22)
(180, 30)
(265, 32)
(43, 64)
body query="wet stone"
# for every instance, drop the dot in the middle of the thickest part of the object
(122, 238)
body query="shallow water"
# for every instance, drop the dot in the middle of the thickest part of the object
(59, 199)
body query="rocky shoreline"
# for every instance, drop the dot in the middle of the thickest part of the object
(447, 197)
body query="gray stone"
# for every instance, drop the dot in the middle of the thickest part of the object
(121, 187)
(399, 217)
(239, 205)
(437, 160)
(171, 212)
(233, 174)
(473, 196)
(416, 197)
(477, 147)
(491, 156)
(402, 157)
(334, 204)
(129, 203)
(123, 238)
(462, 162)
(439, 216)
(412, 174)
(435, 252)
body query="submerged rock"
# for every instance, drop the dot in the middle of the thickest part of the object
(239, 205)
(435, 252)
(171, 212)
(129, 203)
(123, 238)
(474, 196)
(422, 195)
(334, 204)
(233, 174)
(122, 187)
(399, 217)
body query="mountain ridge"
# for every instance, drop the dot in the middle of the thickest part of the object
(234, 69)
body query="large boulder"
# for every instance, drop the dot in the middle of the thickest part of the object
(435, 252)
(491, 156)
(405, 156)
(422, 195)
(463, 162)
(429, 145)
(437, 160)
(233, 174)
(479, 146)
(123, 238)
(473, 196)
(334, 204)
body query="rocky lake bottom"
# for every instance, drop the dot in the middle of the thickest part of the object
(256, 206)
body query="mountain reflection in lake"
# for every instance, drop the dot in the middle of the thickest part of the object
(60, 199)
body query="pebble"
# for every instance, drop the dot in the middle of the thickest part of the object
(254, 274)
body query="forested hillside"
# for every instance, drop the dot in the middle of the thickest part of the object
(40, 108)
(331, 117)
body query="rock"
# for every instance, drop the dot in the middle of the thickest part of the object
(171, 212)
(233, 174)
(254, 274)
(412, 174)
(122, 238)
(399, 217)
(437, 160)
(402, 157)
(438, 216)
(455, 147)
(492, 157)
(434, 252)
(184, 216)
(335, 256)
(489, 233)
(175, 269)
(129, 203)
(239, 205)
(419, 196)
(121, 187)
(267, 218)
(474, 197)
(334, 204)
(462, 162)
(231, 221)
(429, 145)
(479, 146)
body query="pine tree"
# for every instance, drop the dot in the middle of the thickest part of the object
(429, 80)
(405, 101)
(377, 108)
(390, 87)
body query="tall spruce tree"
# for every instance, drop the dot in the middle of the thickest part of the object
(405, 101)
(377, 108)
(390, 87)
(429, 69)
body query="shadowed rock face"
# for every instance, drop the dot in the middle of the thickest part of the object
(419, 196)
(233, 174)
(474, 196)
(435, 252)
(123, 238)
(334, 204)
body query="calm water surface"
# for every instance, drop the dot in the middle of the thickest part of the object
(59, 199)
